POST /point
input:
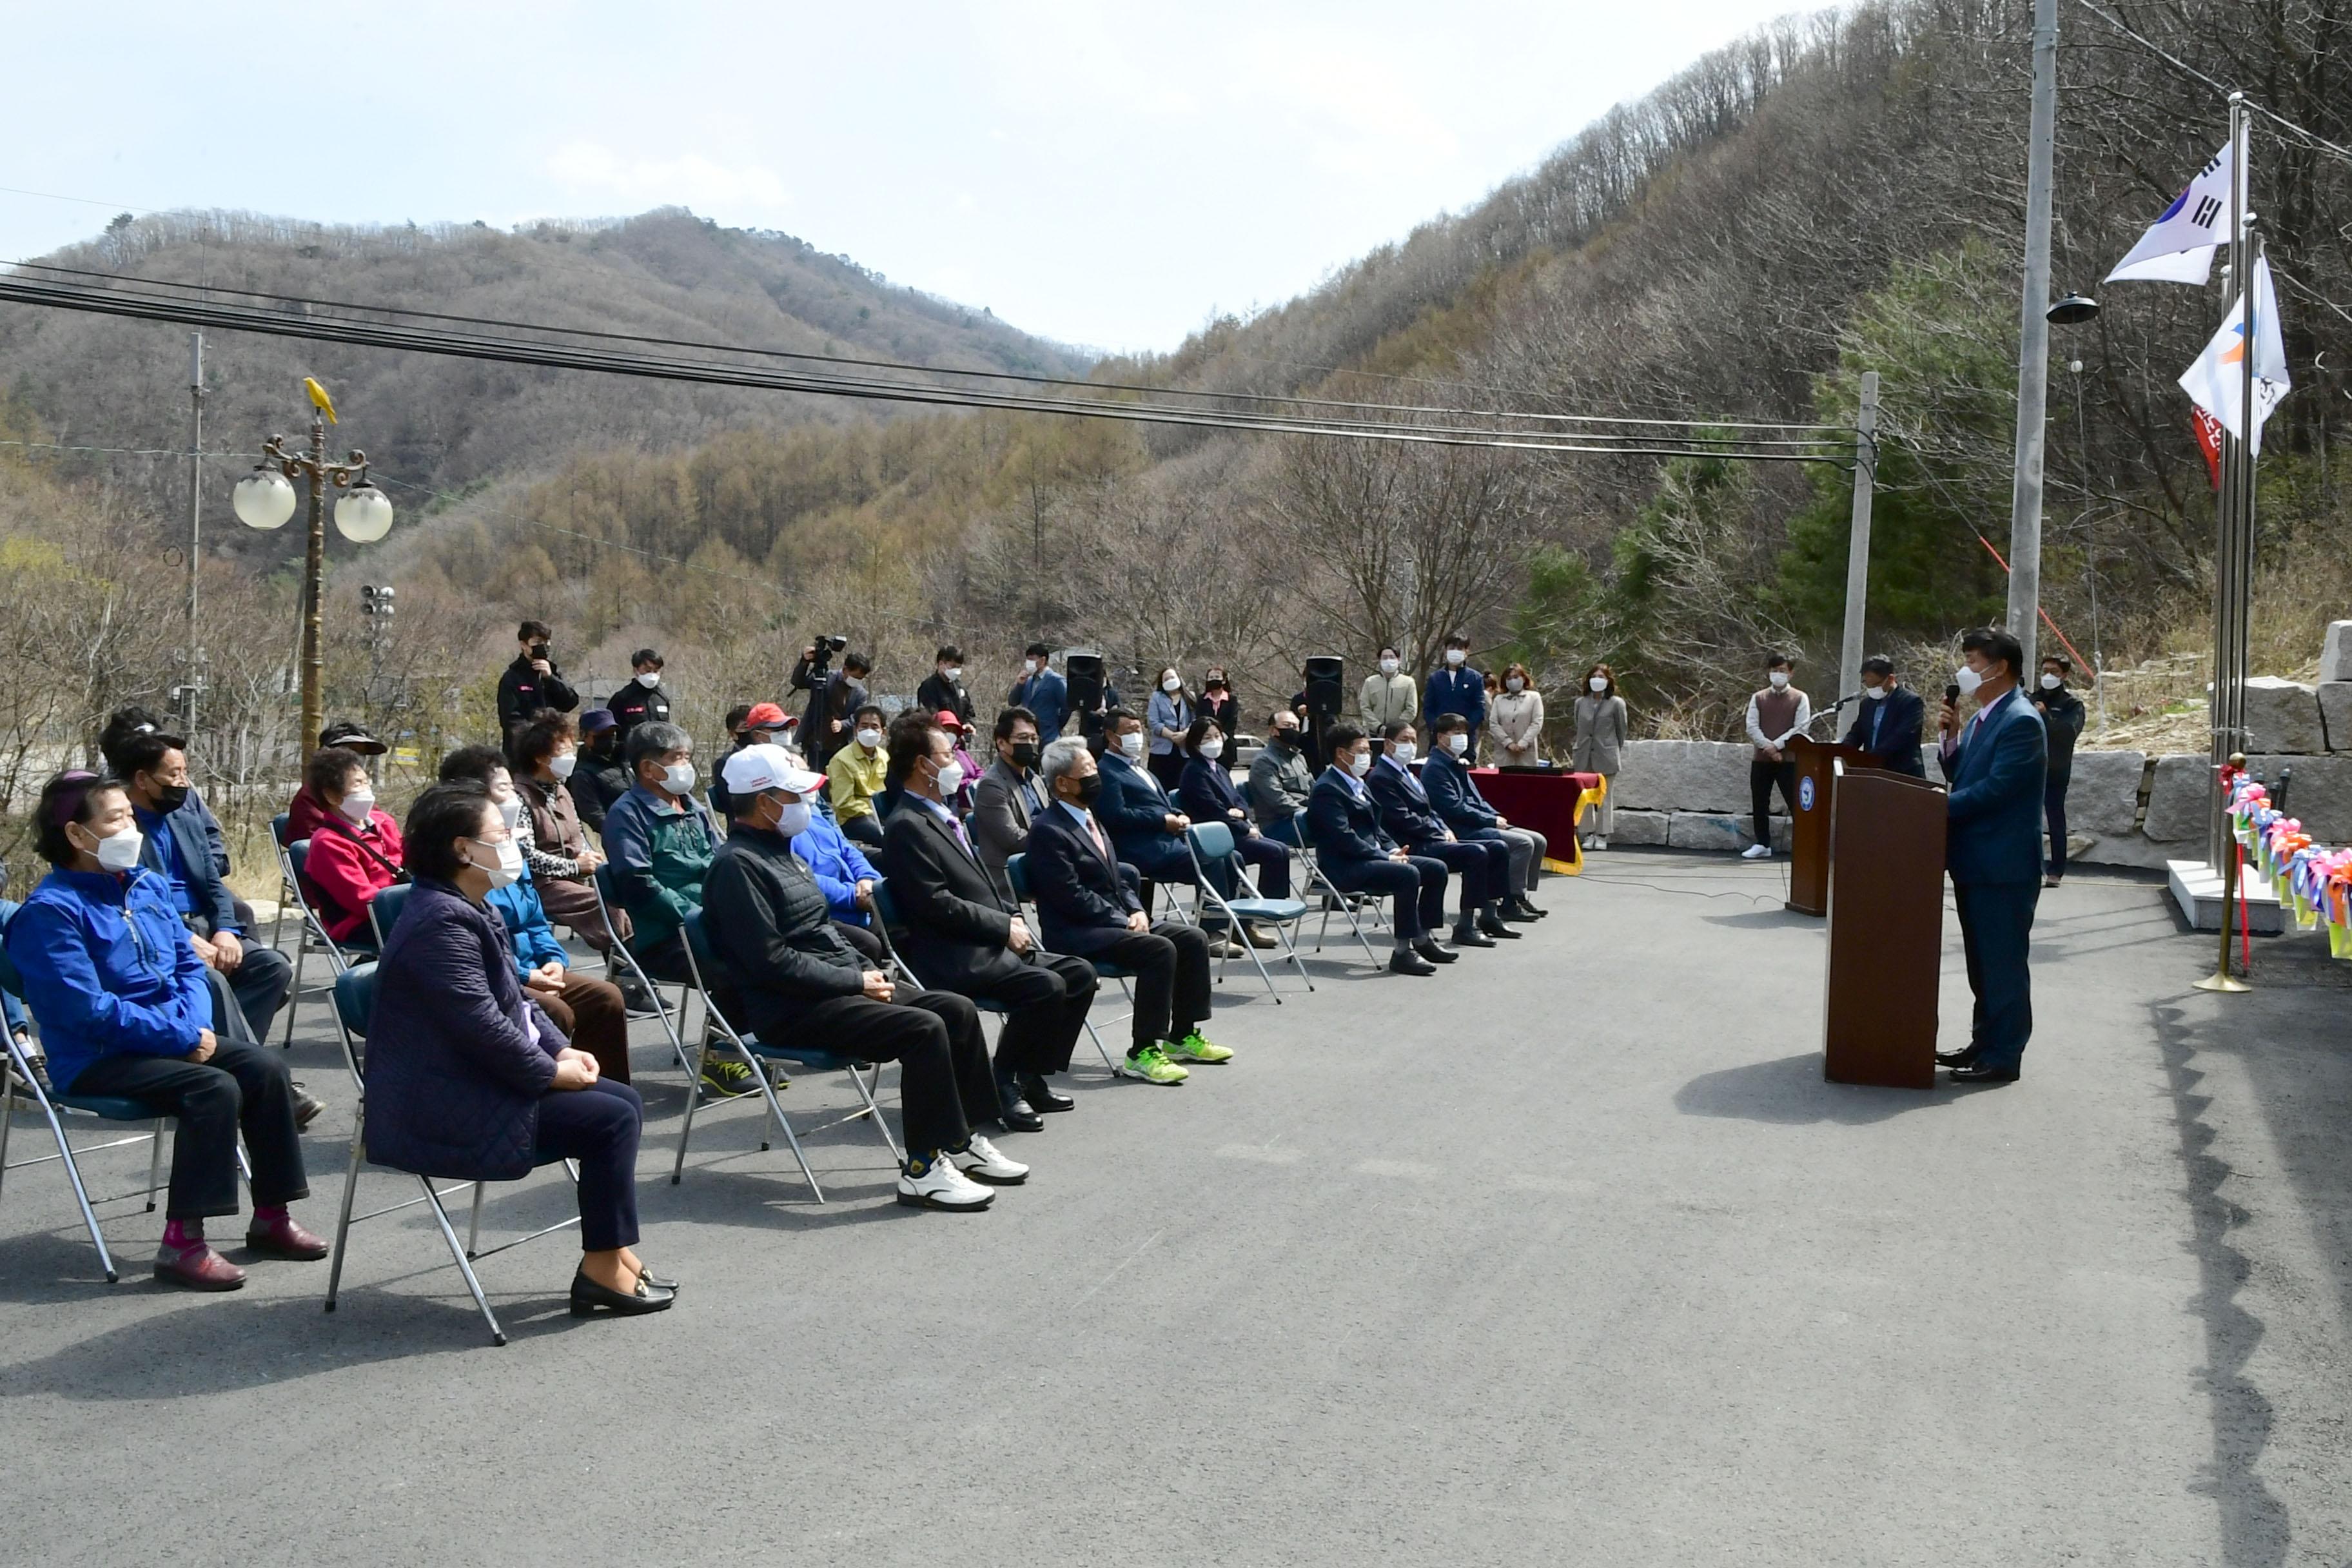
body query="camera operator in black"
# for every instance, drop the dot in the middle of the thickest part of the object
(833, 697)
(532, 682)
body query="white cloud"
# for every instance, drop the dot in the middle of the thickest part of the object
(688, 180)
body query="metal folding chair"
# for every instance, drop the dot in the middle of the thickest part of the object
(383, 911)
(296, 856)
(1211, 845)
(354, 1001)
(1346, 902)
(1016, 871)
(674, 1029)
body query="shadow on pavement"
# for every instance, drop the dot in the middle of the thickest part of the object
(1792, 1091)
(1766, 919)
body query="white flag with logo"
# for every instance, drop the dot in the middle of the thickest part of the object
(2214, 381)
(2179, 246)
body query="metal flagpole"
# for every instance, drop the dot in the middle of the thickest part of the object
(2226, 706)
(2033, 341)
(1857, 559)
(196, 658)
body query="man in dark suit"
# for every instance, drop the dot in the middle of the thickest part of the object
(962, 935)
(1994, 850)
(1483, 864)
(1008, 795)
(1356, 857)
(1087, 904)
(1888, 726)
(1146, 827)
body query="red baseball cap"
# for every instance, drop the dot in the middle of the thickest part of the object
(948, 721)
(767, 715)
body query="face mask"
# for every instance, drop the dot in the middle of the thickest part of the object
(793, 819)
(649, 679)
(1388, 667)
(1876, 693)
(951, 778)
(511, 812)
(1359, 763)
(1457, 742)
(1780, 679)
(171, 797)
(1598, 683)
(869, 739)
(561, 764)
(358, 804)
(678, 777)
(1172, 684)
(1212, 750)
(1028, 666)
(1024, 755)
(2049, 683)
(1967, 680)
(508, 871)
(1089, 789)
(1455, 655)
(1515, 683)
(1132, 742)
(1403, 752)
(121, 853)
(954, 673)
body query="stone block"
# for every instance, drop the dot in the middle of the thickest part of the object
(2282, 717)
(2179, 799)
(2123, 849)
(2319, 794)
(1638, 828)
(2335, 713)
(2103, 792)
(1720, 832)
(2335, 654)
(1684, 775)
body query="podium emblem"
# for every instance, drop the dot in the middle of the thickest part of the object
(1805, 794)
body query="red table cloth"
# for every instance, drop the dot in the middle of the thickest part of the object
(1545, 802)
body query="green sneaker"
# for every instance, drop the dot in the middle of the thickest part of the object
(1152, 1065)
(1195, 1048)
(724, 1077)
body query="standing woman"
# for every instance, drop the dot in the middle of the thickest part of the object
(1169, 719)
(1518, 716)
(1217, 701)
(468, 1079)
(1601, 742)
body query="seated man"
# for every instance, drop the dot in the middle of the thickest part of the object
(1008, 796)
(751, 724)
(962, 935)
(1356, 857)
(1888, 723)
(1454, 795)
(1145, 826)
(799, 981)
(1280, 780)
(603, 773)
(1484, 865)
(354, 848)
(855, 775)
(659, 840)
(1086, 906)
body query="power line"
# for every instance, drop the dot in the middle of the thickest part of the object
(2186, 70)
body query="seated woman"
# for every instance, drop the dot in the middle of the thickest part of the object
(1207, 794)
(588, 1010)
(355, 850)
(468, 1078)
(125, 1009)
(555, 848)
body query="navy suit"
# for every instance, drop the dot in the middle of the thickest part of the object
(1888, 728)
(1084, 901)
(1993, 851)
(1133, 809)
(1484, 864)
(204, 904)
(1353, 854)
(1047, 695)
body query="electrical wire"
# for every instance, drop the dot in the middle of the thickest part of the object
(2182, 66)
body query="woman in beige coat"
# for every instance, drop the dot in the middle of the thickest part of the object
(1601, 737)
(1517, 716)
(1388, 696)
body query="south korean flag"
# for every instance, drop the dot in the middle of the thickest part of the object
(2179, 246)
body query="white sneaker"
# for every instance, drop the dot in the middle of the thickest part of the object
(942, 1186)
(988, 1164)
(1756, 852)
(1600, 843)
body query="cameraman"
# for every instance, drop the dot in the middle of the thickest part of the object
(531, 682)
(833, 697)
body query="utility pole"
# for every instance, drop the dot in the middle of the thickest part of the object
(1857, 550)
(194, 676)
(2034, 340)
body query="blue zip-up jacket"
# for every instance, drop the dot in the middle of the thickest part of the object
(107, 969)
(527, 927)
(1451, 690)
(837, 865)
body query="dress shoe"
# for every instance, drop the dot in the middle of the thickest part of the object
(198, 1267)
(1043, 1097)
(1956, 1058)
(1492, 924)
(1261, 936)
(282, 1237)
(1469, 935)
(653, 1281)
(1511, 909)
(307, 1105)
(589, 1298)
(1974, 1073)
(1407, 961)
(1018, 1117)
(1525, 908)
(1430, 949)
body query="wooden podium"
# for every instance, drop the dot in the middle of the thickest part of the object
(1887, 929)
(1809, 828)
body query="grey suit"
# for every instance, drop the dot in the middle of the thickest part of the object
(1001, 806)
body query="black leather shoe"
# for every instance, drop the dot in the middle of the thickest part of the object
(1525, 908)
(1429, 949)
(589, 1298)
(1956, 1058)
(1517, 912)
(1410, 963)
(654, 1282)
(1018, 1118)
(1492, 924)
(1471, 936)
(1972, 1073)
(1043, 1097)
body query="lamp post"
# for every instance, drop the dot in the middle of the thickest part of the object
(264, 498)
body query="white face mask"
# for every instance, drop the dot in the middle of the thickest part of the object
(1455, 655)
(510, 812)
(1458, 742)
(561, 764)
(1512, 683)
(1132, 742)
(1876, 693)
(954, 673)
(1780, 679)
(678, 777)
(793, 819)
(508, 871)
(869, 739)
(951, 778)
(1028, 666)
(1171, 683)
(1388, 667)
(358, 804)
(121, 853)
(1402, 751)
(1599, 684)
(1212, 750)
(1967, 680)
(649, 679)
(1359, 763)
(2052, 682)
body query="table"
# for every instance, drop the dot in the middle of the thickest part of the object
(1549, 801)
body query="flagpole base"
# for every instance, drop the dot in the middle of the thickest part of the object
(2227, 984)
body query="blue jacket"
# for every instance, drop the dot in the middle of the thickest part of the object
(529, 931)
(192, 830)
(1450, 690)
(1133, 810)
(837, 863)
(107, 969)
(454, 1077)
(1899, 717)
(1083, 897)
(1995, 832)
(1206, 794)
(1345, 825)
(1405, 813)
(1047, 695)
(1453, 794)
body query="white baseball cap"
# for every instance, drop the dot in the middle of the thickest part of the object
(757, 768)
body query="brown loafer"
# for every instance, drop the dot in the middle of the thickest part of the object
(198, 1267)
(285, 1238)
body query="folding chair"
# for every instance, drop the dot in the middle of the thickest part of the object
(1211, 845)
(296, 856)
(285, 888)
(1016, 871)
(383, 911)
(755, 1053)
(1346, 902)
(355, 1000)
(603, 882)
(98, 1107)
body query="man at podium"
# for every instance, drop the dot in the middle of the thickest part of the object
(1888, 724)
(1993, 850)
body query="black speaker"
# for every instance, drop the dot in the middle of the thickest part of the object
(1083, 668)
(1325, 675)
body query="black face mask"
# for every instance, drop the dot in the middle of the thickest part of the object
(1025, 754)
(1285, 737)
(1089, 789)
(539, 650)
(171, 797)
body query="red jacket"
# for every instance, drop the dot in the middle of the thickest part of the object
(348, 867)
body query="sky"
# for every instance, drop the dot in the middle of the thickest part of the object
(1110, 176)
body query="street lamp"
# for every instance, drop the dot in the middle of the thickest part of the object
(265, 500)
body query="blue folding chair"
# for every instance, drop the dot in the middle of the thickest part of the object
(1211, 845)
(1331, 894)
(383, 911)
(1016, 872)
(354, 1002)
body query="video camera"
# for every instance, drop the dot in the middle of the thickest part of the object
(824, 651)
